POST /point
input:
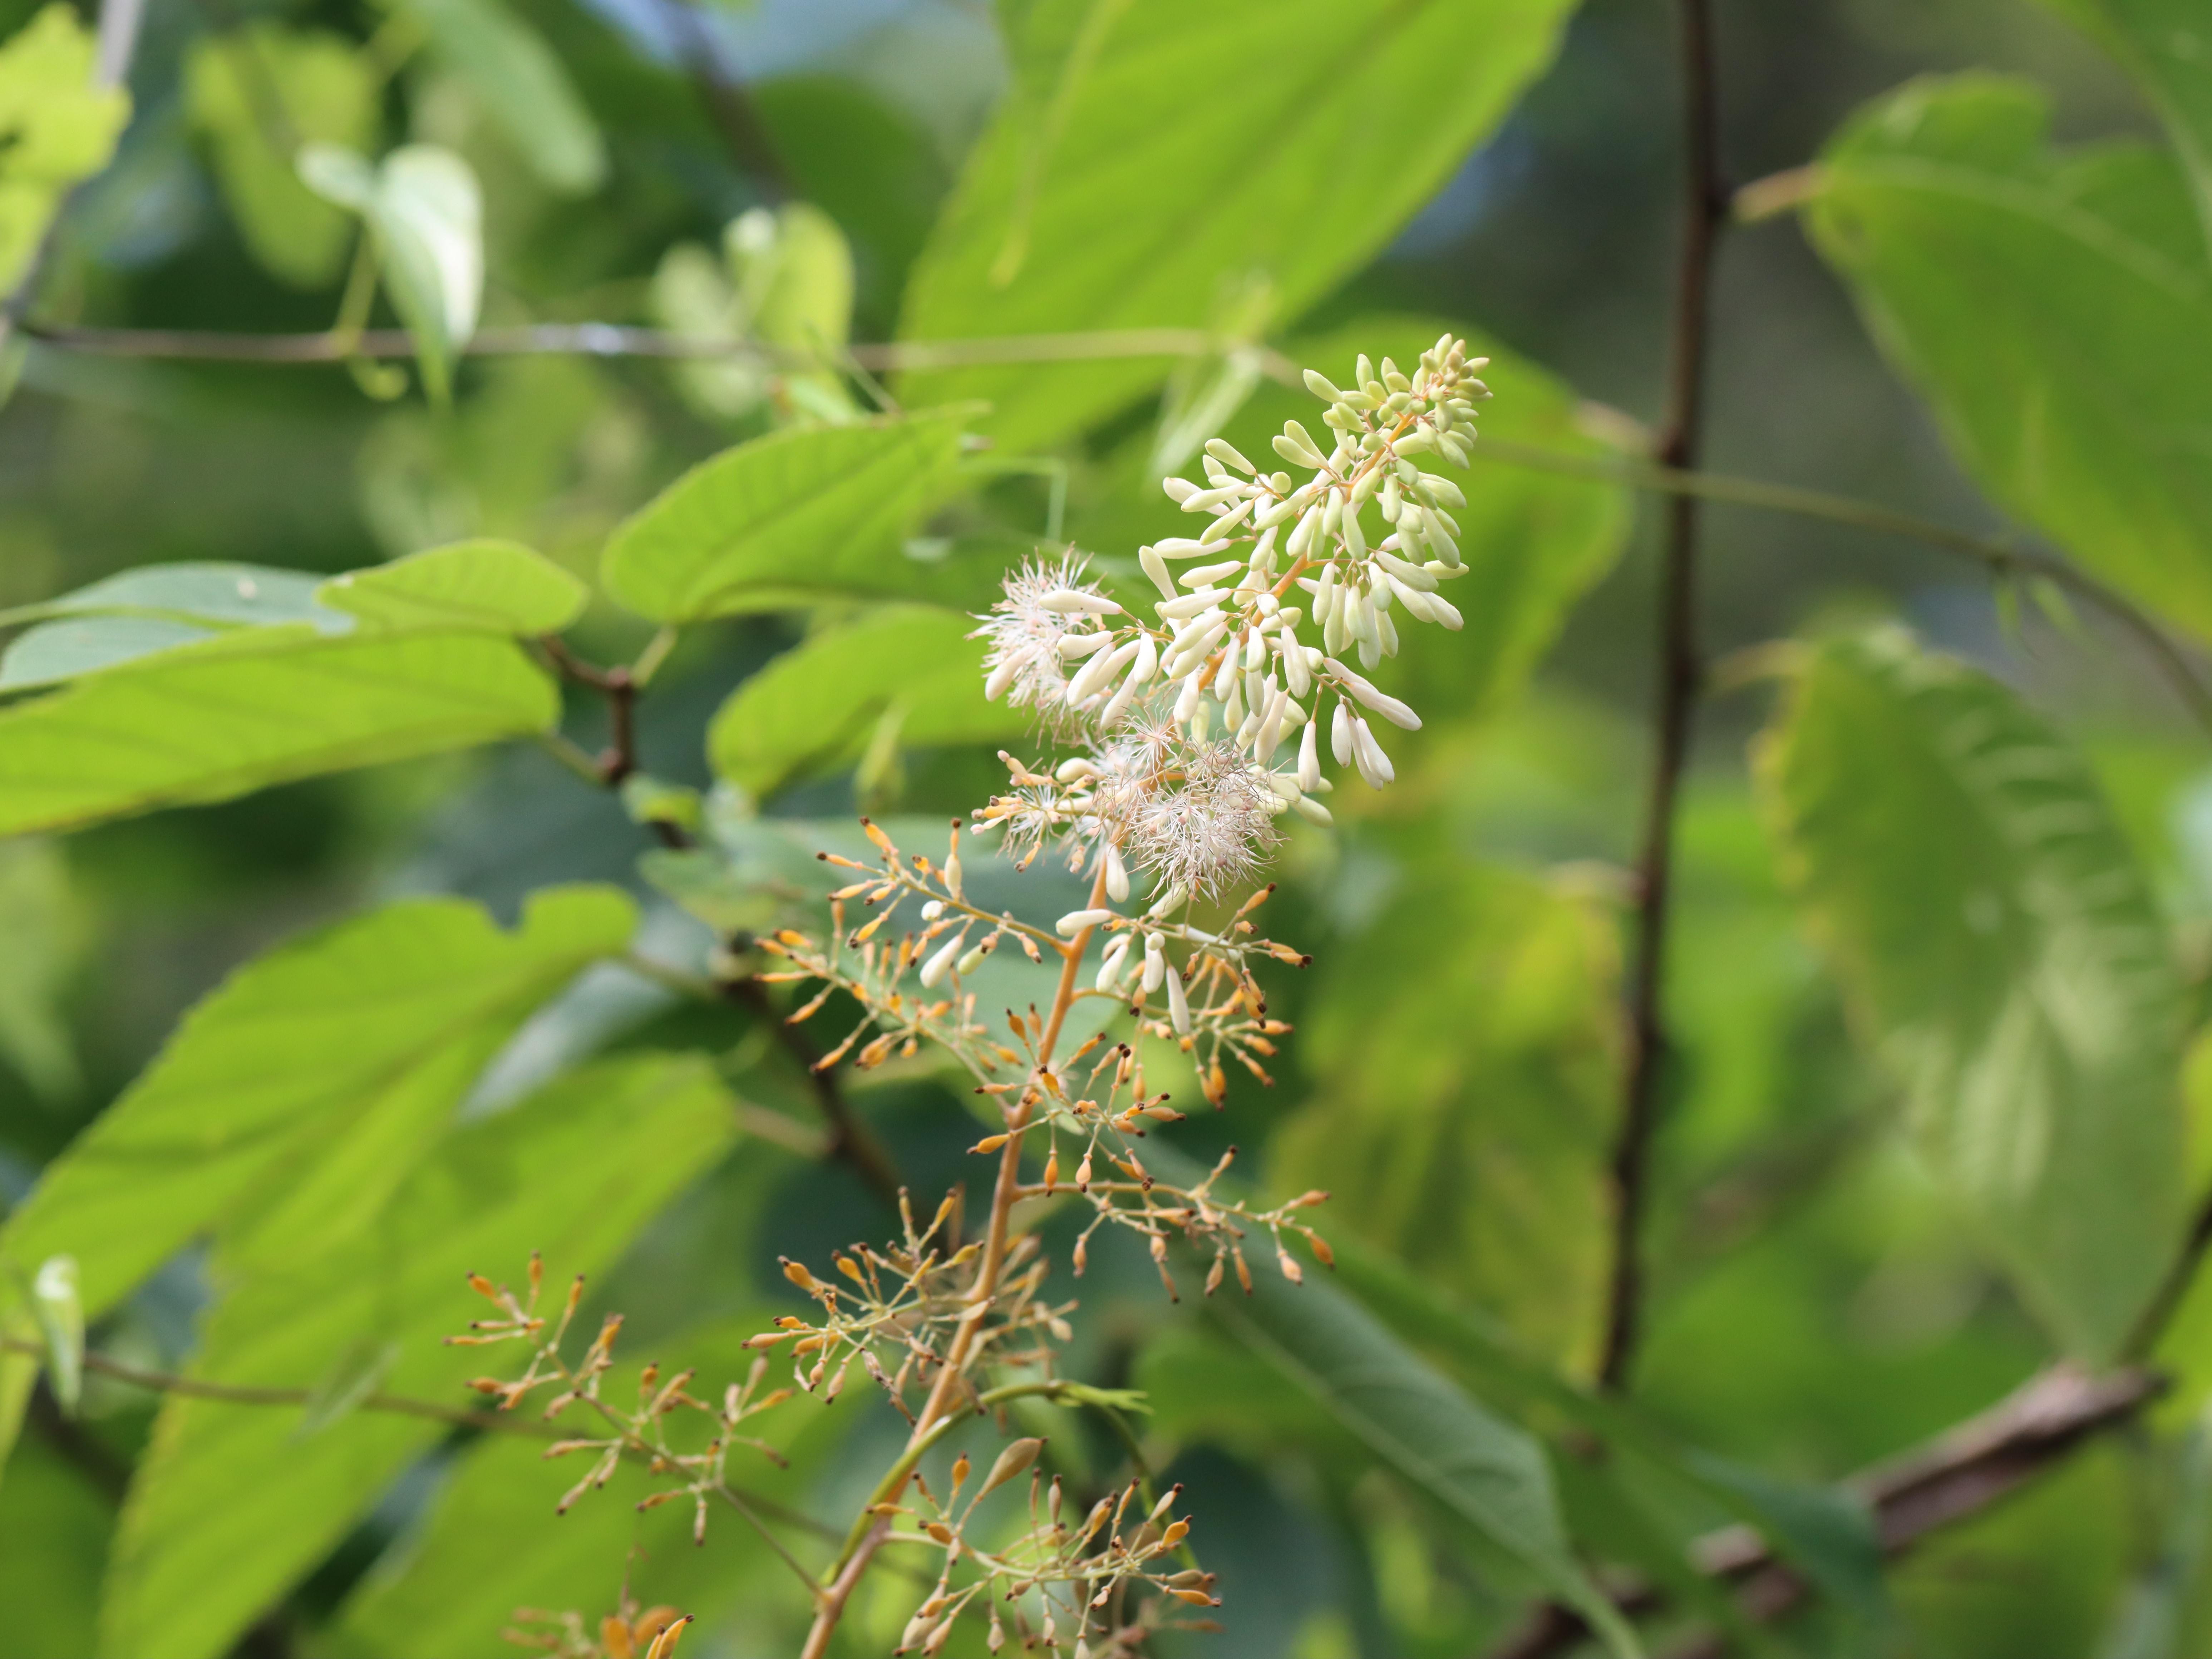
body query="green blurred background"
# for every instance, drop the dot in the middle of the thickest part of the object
(1814, 1306)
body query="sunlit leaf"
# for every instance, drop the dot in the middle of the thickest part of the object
(1990, 922)
(2056, 311)
(258, 93)
(2167, 46)
(57, 128)
(1130, 177)
(231, 1506)
(234, 713)
(516, 77)
(216, 594)
(791, 519)
(424, 208)
(499, 587)
(268, 1101)
(816, 705)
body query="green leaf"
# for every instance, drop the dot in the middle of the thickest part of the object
(216, 594)
(519, 82)
(1989, 923)
(56, 129)
(1468, 1134)
(57, 651)
(42, 919)
(794, 518)
(492, 586)
(226, 716)
(258, 93)
(2167, 46)
(1130, 176)
(230, 1508)
(811, 708)
(2056, 312)
(1477, 1465)
(424, 208)
(254, 1118)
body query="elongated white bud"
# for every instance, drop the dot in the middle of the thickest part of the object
(1179, 490)
(1204, 576)
(1444, 612)
(933, 970)
(1294, 663)
(1184, 606)
(1168, 901)
(1220, 450)
(1340, 733)
(1381, 701)
(1319, 386)
(1302, 534)
(1109, 963)
(1187, 702)
(1156, 962)
(1178, 1005)
(1295, 445)
(1207, 500)
(1070, 601)
(1095, 672)
(1076, 921)
(1157, 568)
(1117, 875)
(1001, 678)
(1310, 757)
(1271, 728)
(1072, 645)
(1406, 572)
(1367, 755)
(1307, 807)
(1179, 547)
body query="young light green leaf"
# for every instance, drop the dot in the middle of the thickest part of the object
(54, 652)
(791, 519)
(225, 716)
(491, 586)
(2056, 312)
(1987, 918)
(424, 208)
(59, 1311)
(511, 70)
(1127, 178)
(2167, 46)
(57, 128)
(255, 1092)
(230, 1507)
(256, 95)
(814, 707)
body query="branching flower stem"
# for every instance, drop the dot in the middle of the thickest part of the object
(872, 1530)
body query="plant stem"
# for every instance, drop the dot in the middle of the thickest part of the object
(844, 1575)
(1704, 211)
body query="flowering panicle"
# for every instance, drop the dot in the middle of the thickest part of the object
(1192, 734)
(1226, 654)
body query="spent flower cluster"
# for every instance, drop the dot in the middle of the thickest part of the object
(1193, 735)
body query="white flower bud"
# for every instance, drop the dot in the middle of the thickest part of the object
(1117, 875)
(1001, 678)
(1310, 757)
(1294, 662)
(1184, 606)
(933, 970)
(1367, 755)
(1209, 500)
(1168, 901)
(1307, 807)
(1072, 645)
(1156, 962)
(1178, 1005)
(1111, 961)
(1095, 674)
(1271, 728)
(1179, 547)
(1179, 490)
(1319, 386)
(1220, 448)
(1204, 576)
(1302, 534)
(1381, 701)
(968, 963)
(1157, 568)
(1340, 733)
(1355, 538)
(1076, 921)
(1444, 611)
(935, 908)
(1073, 601)
(1406, 572)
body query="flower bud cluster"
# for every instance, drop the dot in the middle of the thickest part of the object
(1205, 722)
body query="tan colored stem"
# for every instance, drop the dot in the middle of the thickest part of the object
(848, 1571)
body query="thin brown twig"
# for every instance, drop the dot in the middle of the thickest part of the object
(850, 1140)
(1704, 211)
(1958, 1474)
(732, 114)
